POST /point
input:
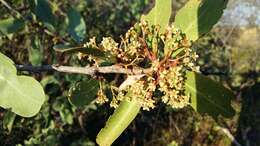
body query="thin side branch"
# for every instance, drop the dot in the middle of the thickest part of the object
(10, 8)
(84, 70)
(229, 135)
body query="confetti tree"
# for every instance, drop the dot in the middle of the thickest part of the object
(154, 61)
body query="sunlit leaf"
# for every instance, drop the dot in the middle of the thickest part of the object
(21, 94)
(197, 17)
(83, 92)
(208, 96)
(160, 14)
(5, 61)
(118, 122)
(77, 26)
(10, 25)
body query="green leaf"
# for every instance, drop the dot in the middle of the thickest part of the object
(77, 26)
(71, 49)
(85, 50)
(65, 48)
(118, 122)
(5, 61)
(197, 17)
(208, 96)
(160, 14)
(10, 25)
(9, 120)
(83, 92)
(43, 11)
(66, 116)
(35, 52)
(49, 80)
(22, 94)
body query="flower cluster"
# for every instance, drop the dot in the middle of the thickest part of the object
(109, 45)
(169, 55)
(128, 50)
(101, 97)
(141, 91)
(171, 83)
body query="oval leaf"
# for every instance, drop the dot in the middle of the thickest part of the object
(83, 92)
(197, 17)
(5, 61)
(160, 14)
(77, 26)
(22, 94)
(208, 96)
(118, 122)
(10, 25)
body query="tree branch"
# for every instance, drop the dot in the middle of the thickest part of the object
(94, 69)
(84, 70)
(36, 69)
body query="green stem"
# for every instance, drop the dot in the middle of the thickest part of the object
(118, 122)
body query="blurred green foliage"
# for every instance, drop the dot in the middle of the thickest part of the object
(60, 123)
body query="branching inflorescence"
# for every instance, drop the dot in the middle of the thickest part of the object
(167, 54)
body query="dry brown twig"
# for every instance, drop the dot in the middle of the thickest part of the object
(85, 70)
